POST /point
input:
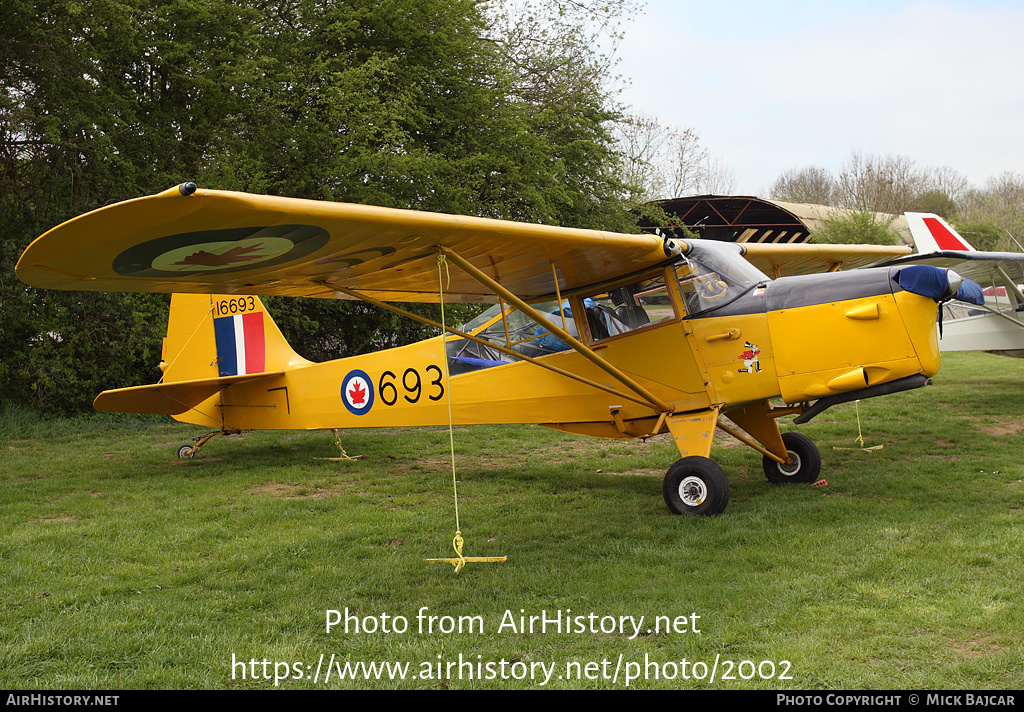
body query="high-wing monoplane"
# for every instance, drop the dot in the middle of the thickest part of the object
(993, 322)
(593, 333)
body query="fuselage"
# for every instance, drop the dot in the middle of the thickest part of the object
(708, 331)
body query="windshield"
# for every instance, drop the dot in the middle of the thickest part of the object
(713, 274)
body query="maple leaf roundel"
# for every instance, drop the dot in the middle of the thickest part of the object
(217, 251)
(357, 392)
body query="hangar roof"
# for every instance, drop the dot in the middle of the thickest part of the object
(732, 218)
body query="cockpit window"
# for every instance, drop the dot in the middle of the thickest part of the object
(629, 307)
(523, 335)
(620, 310)
(713, 274)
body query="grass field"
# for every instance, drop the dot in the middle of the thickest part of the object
(125, 567)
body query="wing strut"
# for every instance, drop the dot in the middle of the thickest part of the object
(1011, 286)
(651, 399)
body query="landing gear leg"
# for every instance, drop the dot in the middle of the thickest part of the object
(695, 484)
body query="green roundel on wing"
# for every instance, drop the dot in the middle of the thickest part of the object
(219, 251)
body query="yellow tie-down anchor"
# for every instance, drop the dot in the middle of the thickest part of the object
(460, 561)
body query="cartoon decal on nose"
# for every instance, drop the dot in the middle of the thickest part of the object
(751, 359)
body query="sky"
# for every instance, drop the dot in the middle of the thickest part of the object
(777, 86)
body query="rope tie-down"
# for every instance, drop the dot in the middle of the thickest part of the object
(459, 560)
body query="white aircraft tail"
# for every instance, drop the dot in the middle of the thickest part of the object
(933, 234)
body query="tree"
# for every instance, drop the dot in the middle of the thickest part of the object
(406, 103)
(949, 185)
(808, 185)
(100, 102)
(661, 161)
(991, 218)
(985, 236)
(717, 178)
(999, 205)
(885, 184)
(933, 201)
(856, 228)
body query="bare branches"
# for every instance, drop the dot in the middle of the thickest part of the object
(894, 184)
(807, 185)
(662, 161)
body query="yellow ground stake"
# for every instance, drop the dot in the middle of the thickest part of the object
(458, 561)
(345, 457)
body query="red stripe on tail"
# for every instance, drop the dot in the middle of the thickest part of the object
(943, 237)
(255, 343)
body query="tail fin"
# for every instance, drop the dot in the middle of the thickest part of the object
(933, 234)
(217, 335)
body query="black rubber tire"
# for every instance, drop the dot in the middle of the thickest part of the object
(696, 485)
(187, 451)
(806, 461)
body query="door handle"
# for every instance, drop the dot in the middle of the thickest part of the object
(729, 334)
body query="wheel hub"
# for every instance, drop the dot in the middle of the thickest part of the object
(693, 491)
(793, 467)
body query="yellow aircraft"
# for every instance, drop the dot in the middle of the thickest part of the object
(594, 333)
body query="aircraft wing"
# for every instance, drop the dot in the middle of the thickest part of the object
(982, 267)
(201, 241)
(207, 241)
(787, 260)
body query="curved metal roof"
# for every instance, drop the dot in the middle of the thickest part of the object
(733, 218)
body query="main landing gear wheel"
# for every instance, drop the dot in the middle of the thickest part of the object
(696, 485)
(805, 461)
(187, 451)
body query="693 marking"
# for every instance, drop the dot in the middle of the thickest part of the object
(238, 305)
(413, 385)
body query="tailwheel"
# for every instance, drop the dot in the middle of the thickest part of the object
(696, 485)
(189, 451)
(804, 461)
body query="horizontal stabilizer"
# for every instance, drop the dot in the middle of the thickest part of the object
(169, 398)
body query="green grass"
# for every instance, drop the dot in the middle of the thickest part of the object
(122, 566)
